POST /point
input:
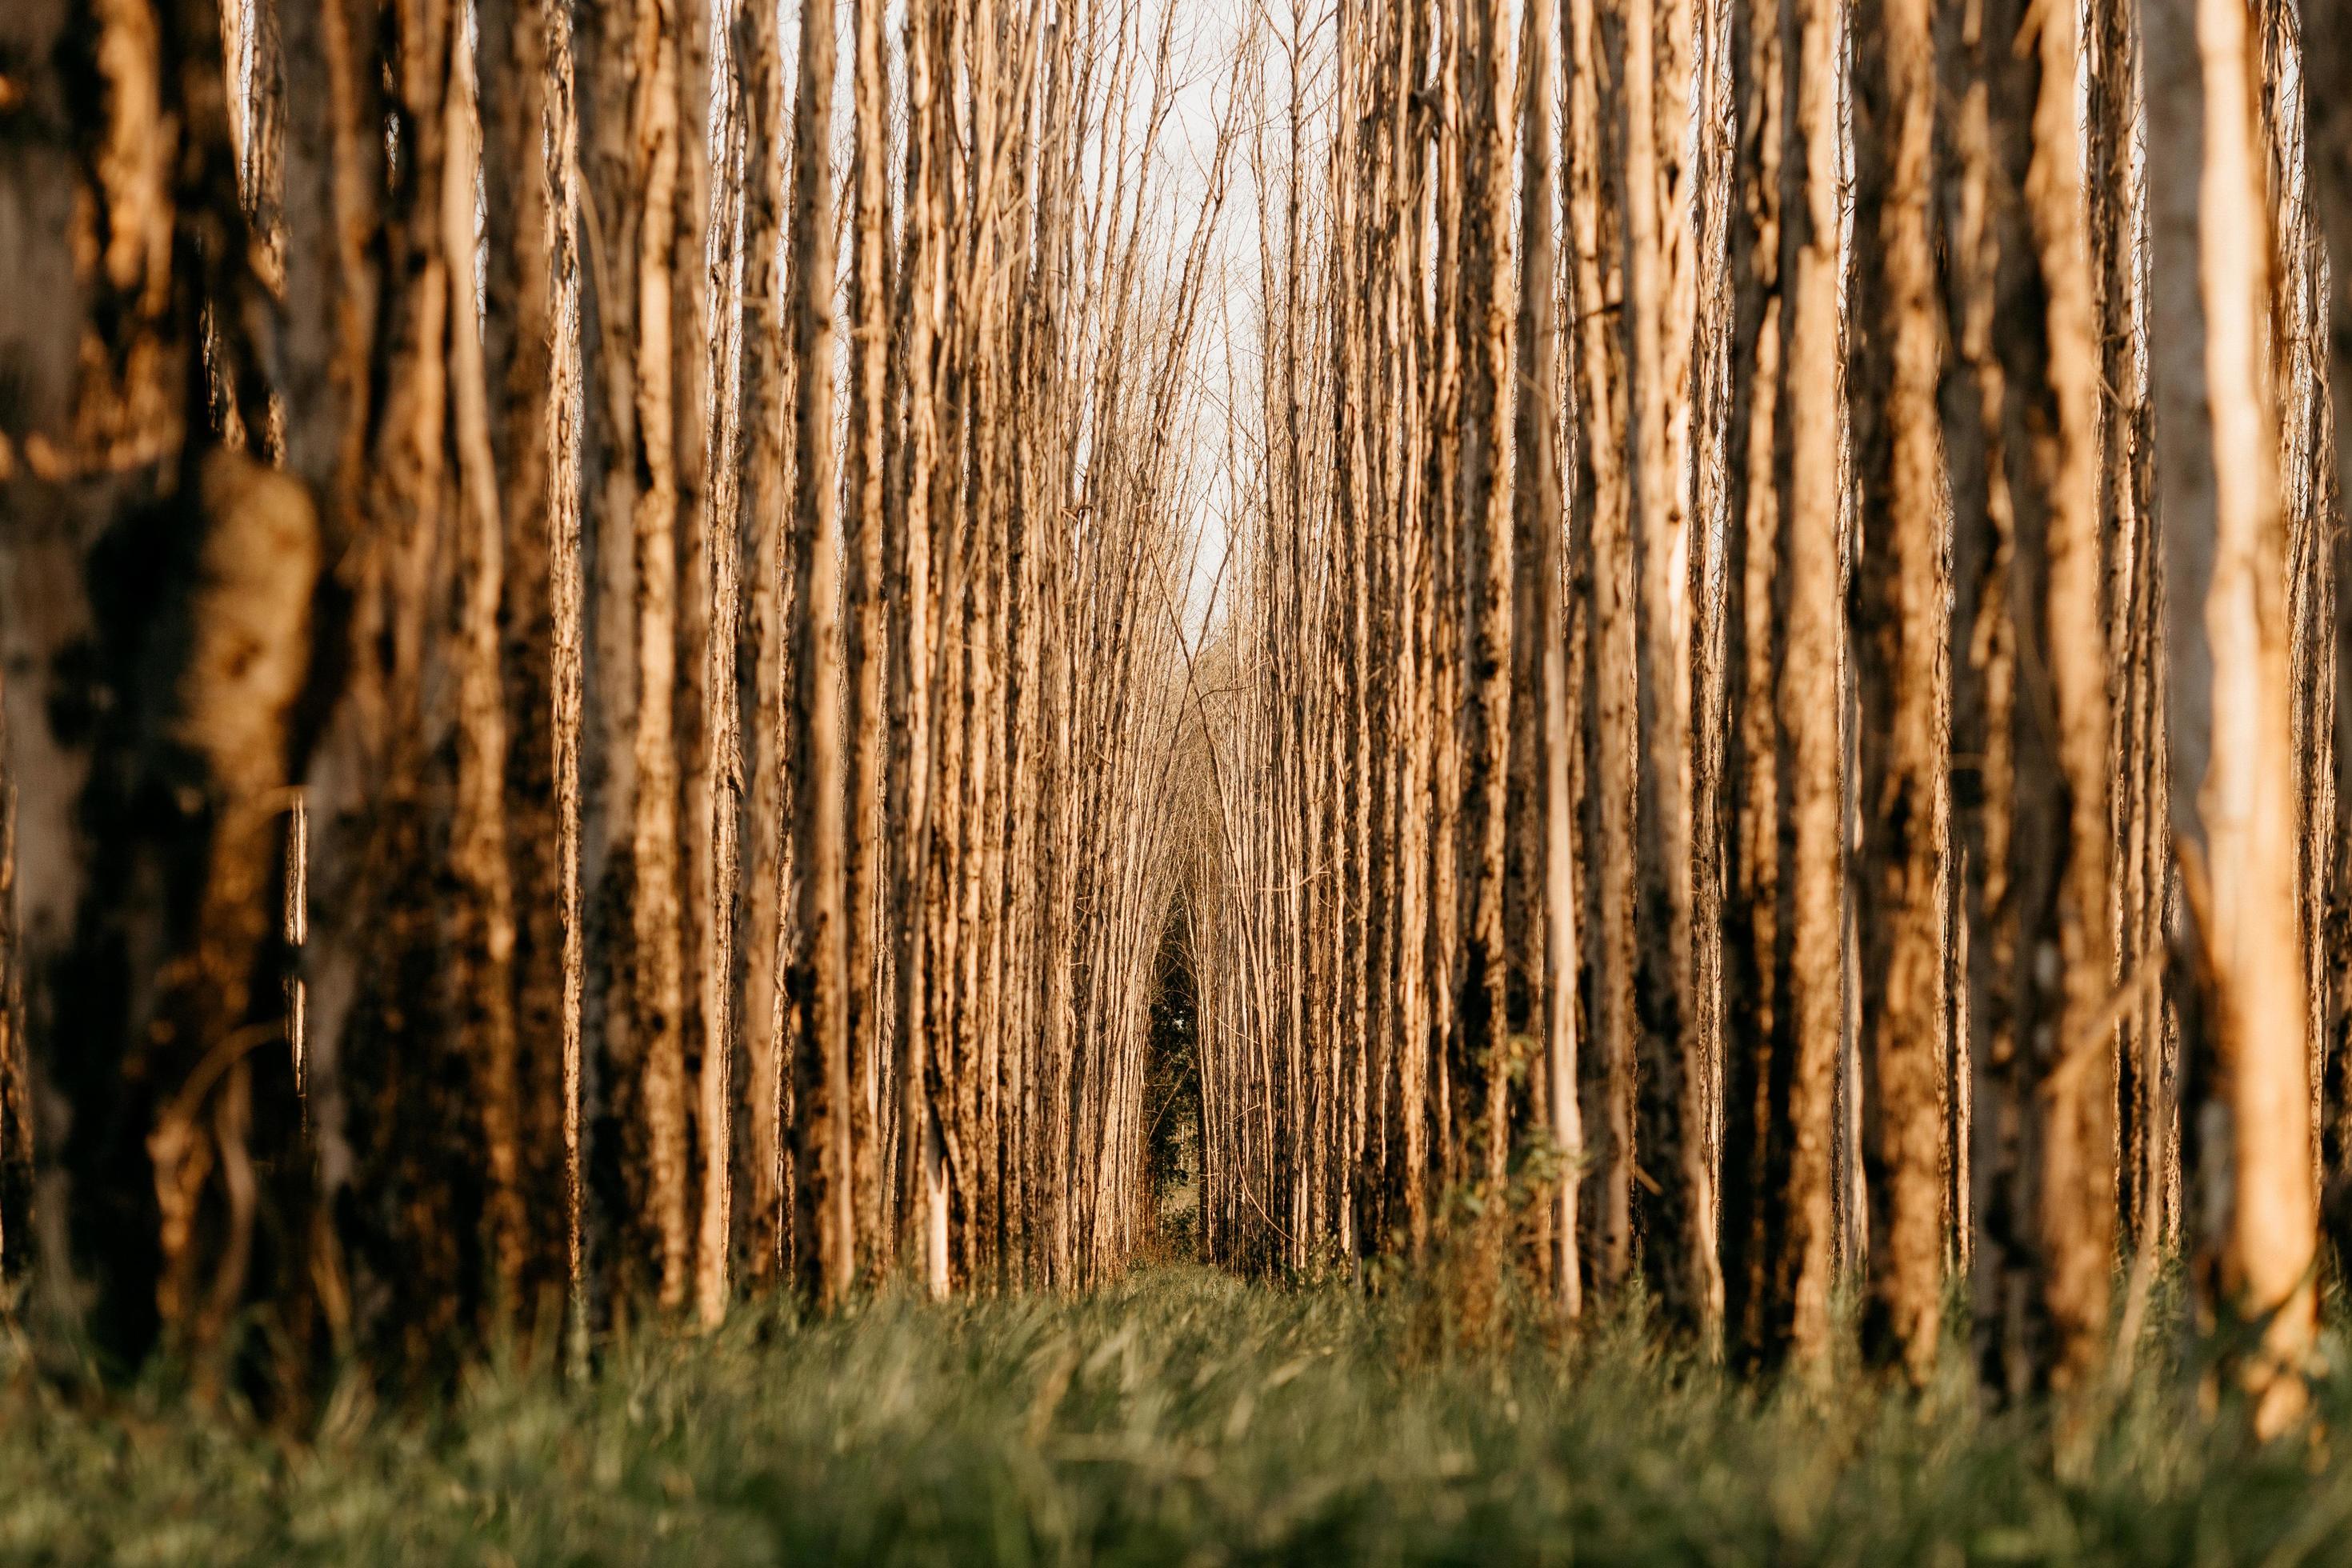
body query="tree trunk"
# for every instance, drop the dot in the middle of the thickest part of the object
(1901, 616)
(766, 399)
(1677, 1202)
(816, 979)
(2233, 808)
(156, 595)
(1545, 904)
(1758, 1037)
(1480, 1067)
(1808, 687)
(1595, 206)
(863, 529)
(2327, 145)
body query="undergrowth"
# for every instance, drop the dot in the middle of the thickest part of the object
(1180, 1416)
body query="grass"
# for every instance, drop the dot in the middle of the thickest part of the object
(1178, 1417)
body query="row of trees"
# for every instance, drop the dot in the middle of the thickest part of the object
(574, 735)
(1889, 831)
(596, 715)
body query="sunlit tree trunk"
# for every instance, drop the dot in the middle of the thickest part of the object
(531, 293)
(816, 980)
(922, 1199)
(2327, 93)
(2233, 806)
(715, 792)
(1480, 1069)
(1808, 687)
(2297, 360)
(567, 651)
(2116, 206)
(763, 98)
(863, 530)
(2055, 375)
(2327, 144)
(1544, 906)
(1662, 283)
(1595, 207)
(1901, 620)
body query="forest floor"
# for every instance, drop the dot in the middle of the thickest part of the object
(1180, 1416)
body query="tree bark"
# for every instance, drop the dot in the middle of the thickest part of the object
(1758, 1035)
(1545, 898)
(816, 979)
(2233, 809)
(863, 529)
(1807, 691)
(1678, 1201)
(1595, 206)
(1901, 616)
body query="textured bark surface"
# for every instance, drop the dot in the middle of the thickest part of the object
(862, 530)
(2327, 79)
(1808, 697)
(617, 1240)
(1480, 1067)
(157, 591)
(483, 978)
(1904, 745)
(1975, 202)
(517, 98)
(566, 650)
(2074, 1021)
(657, 988)
(764, 100)
(2233, 806)
(921, 1195)
(2049, 1081)
(1544, 910)
(1759, 1040)
(2116, 206)
(1596, 219)
(816, 977)
(1678, 1201)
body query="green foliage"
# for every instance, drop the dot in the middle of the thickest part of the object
(1181, 1416)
